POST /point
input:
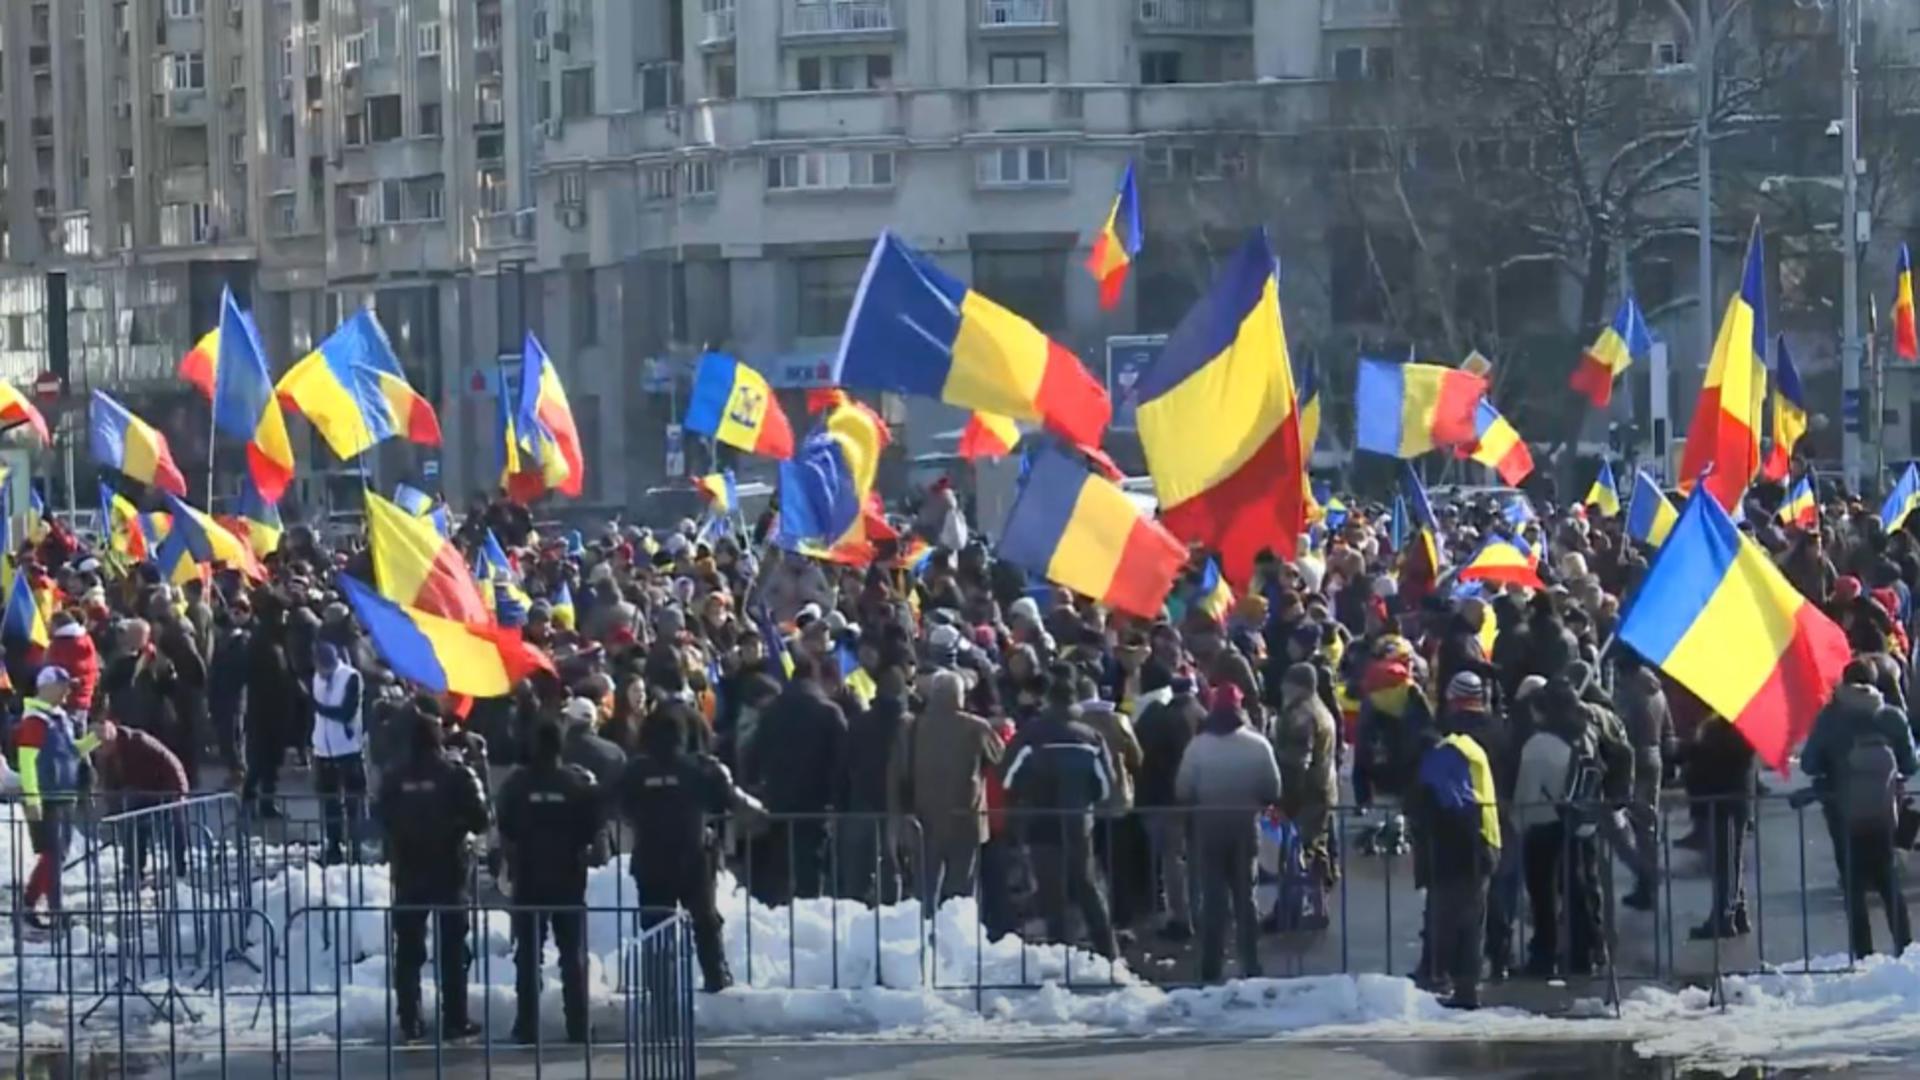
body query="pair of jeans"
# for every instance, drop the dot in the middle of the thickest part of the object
(1226, 853)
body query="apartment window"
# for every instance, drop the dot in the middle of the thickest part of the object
(429, 118)
(353, 50)
(356, 129)
(286, 57)
(573, 188)
(185, 223)
(576, 93)
(1355, 64)
(696, 177)
(285, 211)
(659, 86)
(184, 9)
(427, 198)
(236, 70)
(1668, 54)
(486, 30)
(1206, 161)
(828, 170)
(237, 148)
(656, 182)
(493, 109)
(493, 191)
(1019, 166)
(586, 328)
(856, 71)
(722, 79)
(393, 200)
(1159, 67)
(426, 39)
(383, 118)
(125, 158)
(490, 146)
(185, 71)
(283, 138)
(826, 287)
(1034, 281)
(1006, 69)
(354, 206)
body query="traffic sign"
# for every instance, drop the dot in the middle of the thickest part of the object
(47, 386)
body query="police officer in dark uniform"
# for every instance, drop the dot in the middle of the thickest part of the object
(667, 793)
(429, 808)
(549, 823)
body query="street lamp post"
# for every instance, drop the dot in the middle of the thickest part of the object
(1853, 407)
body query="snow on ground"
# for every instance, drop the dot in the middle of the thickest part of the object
(816, 973)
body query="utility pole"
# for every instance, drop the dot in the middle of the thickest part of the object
(1853, 409)
(1705, 36)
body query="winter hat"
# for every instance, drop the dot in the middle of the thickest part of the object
(1888, 600)
(580, 711)
(1846, 587)
(52, 673)
(1225, 698)
(808, 612)
(1467, 690)
(1024, 608)
(1528, 687)
(943, 646)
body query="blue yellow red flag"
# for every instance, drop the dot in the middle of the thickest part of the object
(733, 404)
(1800, 509)
(1906, 338)
(417, 567)
(1900, 502)
(443, 655)
(1081, 531)
(1723, 442)
(1604, 495)
(122, 441)
(1789, 413)
(244, 404)
(1404, 410)
(1118, 242)
(1609, 357)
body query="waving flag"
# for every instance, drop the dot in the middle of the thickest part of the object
(561, 605)
(1902, 500)
(23, 623)
(417, 567)
(1220, 424)
(1650, 517)
(1118, 242)
(1906, 339)
(1505, 560)
(443, 655)
(120, 522)
(1419, 552)
(1789, 414)
(1405, 410)
(15, 410)
(353, 392)
(1497, 445)
(826, 491)
(201, 366)
(1307, 392)
(1612, 353)
(545, 422)
(915, 329)
(1604, 495)
(208, 541)
(721, 493)
(1213, 596)
(1081, 531)
(988, 435)
(120, 440)
(733, 404)
(244, 405)
(1725, 432)
(1717, 616)
(1800, 510)
(259, 521)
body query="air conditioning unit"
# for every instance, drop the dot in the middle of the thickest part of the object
(542, 51)
(369, 234)
(573, 217)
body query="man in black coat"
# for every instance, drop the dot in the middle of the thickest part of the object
(550, 819)
(793, 764)
(274, 704)
(859, 837)
(1164, 730)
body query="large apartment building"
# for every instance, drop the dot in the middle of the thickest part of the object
(636, 180)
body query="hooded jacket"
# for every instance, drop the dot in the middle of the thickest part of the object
(1854, 711)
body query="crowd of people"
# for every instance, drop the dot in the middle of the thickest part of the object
(936, 724)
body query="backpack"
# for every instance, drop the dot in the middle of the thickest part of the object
(1869, 785)
(1581, 807)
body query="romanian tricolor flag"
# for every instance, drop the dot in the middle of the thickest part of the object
(201, 366)
(1906, 339)
(1404, 410)
(1307, 392)
(915, 329)
(1220, 424)
(15, 410)
(1725, 432)
(545, 425)
(1901, 501)
(1420, 551)
(1213, 596)
(1717, 616)
(1789, 413)
(732, 403)
(353, 392)
(722, 495)
(208, 541)
(23, 622)
(1604, 495)
(1612, 353)
(564, 614)
(988, 435)
(1082, 532)
(442, 655)
(1800, 510)
(122, 441)
(1497, 445)
(417, 567)
(259, 521)
(1650, 517)
(244, 405)
(1118, 242)
(120, 524)
(825, 490)
(1508, 561)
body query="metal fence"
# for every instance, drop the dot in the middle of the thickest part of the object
(198, 939)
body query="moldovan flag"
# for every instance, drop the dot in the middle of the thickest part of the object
(1650, 517)
(988, 435)
(1509, 561)
(732, 403)
(15, 410)
(1081, 531)
(416, 566)
(1717, 616)
(1604, 495)
(1901, 501)
(1497, 445)
(1612, 353)
(1800, 510)
(1220, 423)
(120, 440)
(545, 424)
(475, 658)
(915, 329)
(244, 405)
(1789, 414)
(1117, 243)
(1404, 410)
(1725, 432)
(1906, 339)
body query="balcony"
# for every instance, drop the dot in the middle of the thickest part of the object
(497, 232)
(185, 184)
(1359, 14)
(1194, 16)
(839, 18)
(1020, 14)
(718, 24)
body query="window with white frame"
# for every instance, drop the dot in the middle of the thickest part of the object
(185, 223)
(656, 182)
(285, 211)
(1203, 161)
(1021, 68)
(313, 58)
(184, 9)
(427, 198)
(696, 176)
(184, 71)
(493, 191)
(393, 201)
(426, 38)
(356, 129)
(353, 50)
(286, 57)
(830, 170)
(573, 187)
(1021, 166)
(855, 71)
